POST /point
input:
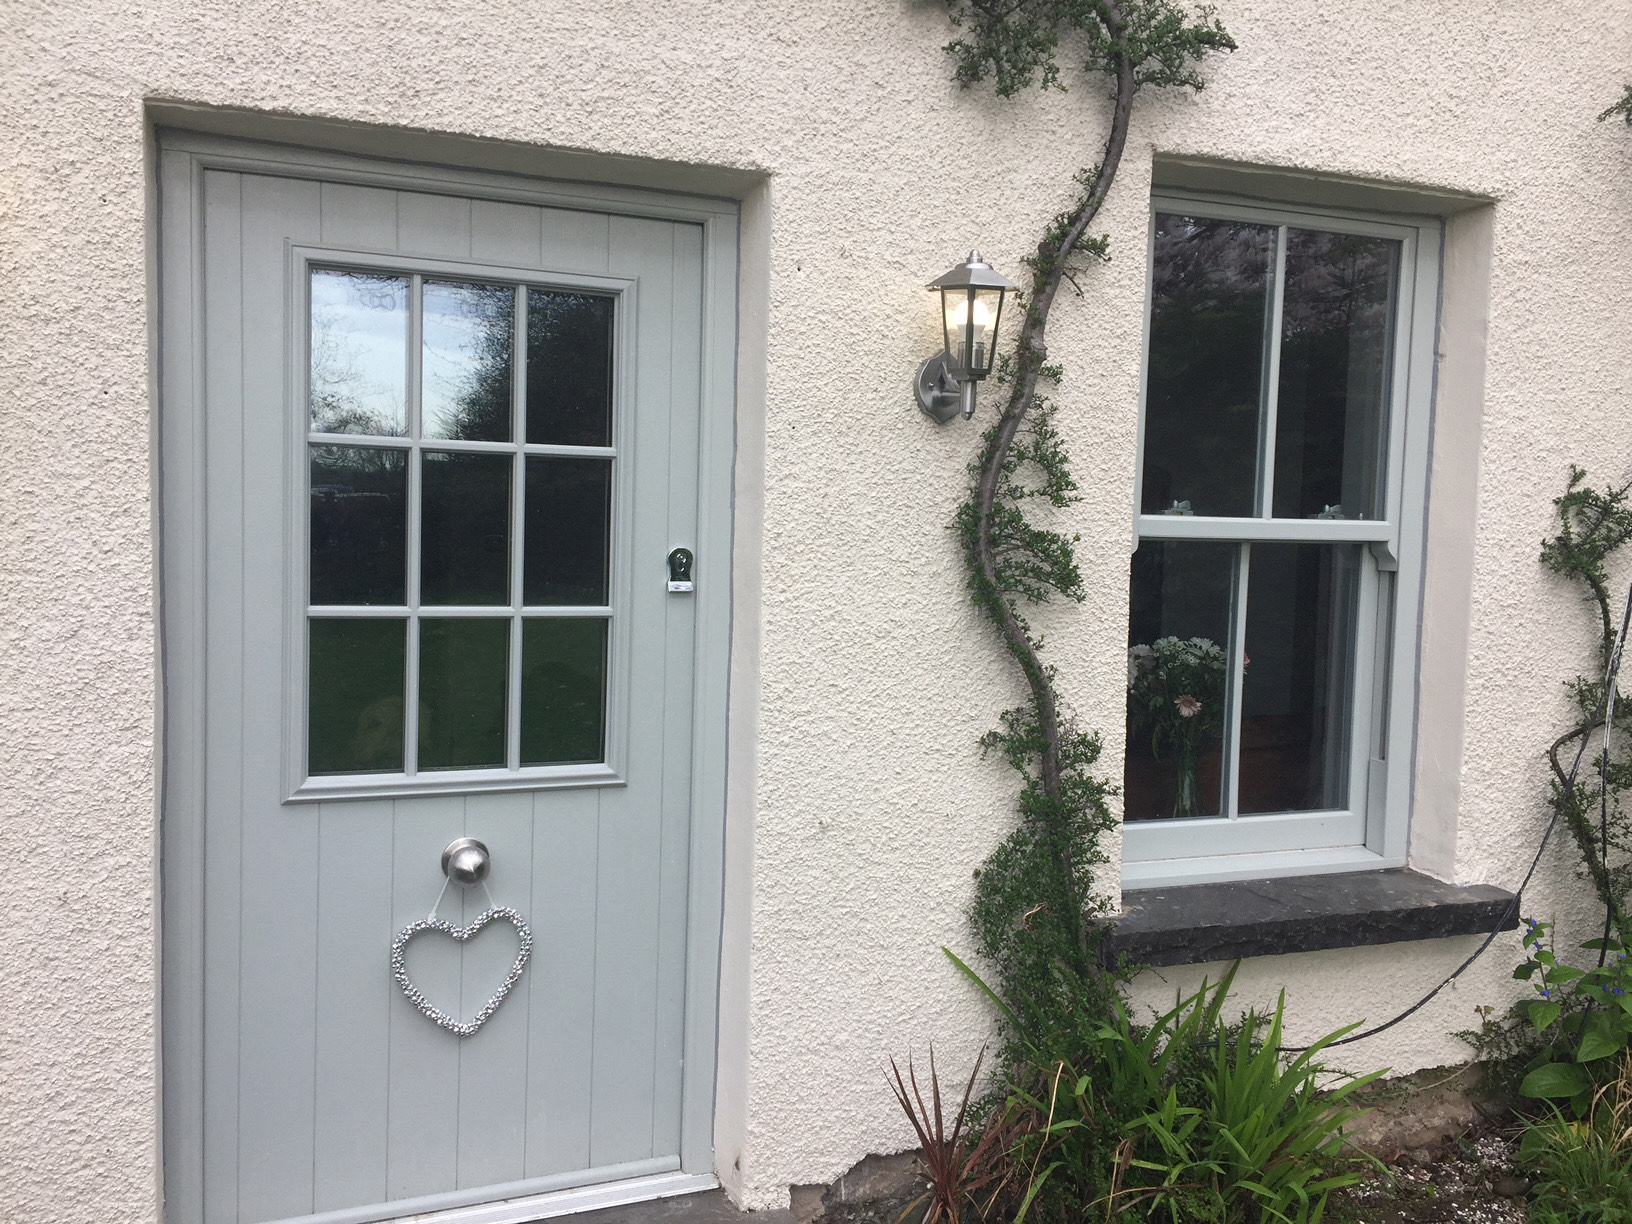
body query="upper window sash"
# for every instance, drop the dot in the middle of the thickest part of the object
(1379, 523)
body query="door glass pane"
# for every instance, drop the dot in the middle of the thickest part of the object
(465, 529)
(359, 525)
(569, 368)
(1209, 296)
(464, 668)
(568, 526)
(563, 690)
(354, 694)
(465, 370)
(359, 358)
(1299, 677)
(1178, 642)
(1336, 311)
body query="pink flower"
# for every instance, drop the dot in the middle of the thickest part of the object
(1189, 707)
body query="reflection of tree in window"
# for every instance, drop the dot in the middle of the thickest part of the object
(465, 380)
(569, 368)
(359, 347)
(1209, 294)
(1335, 315)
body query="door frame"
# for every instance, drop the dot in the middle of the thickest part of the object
(182, 158)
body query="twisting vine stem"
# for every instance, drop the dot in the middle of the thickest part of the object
(1033, 909)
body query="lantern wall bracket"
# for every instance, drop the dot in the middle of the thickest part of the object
(940, 396)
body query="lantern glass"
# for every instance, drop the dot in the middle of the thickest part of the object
(970, 318)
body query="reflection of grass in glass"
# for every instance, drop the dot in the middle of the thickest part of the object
(563, 691)
(355, 703)
(463, 667)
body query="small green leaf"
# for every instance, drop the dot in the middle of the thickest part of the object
(1555, 1080)
(1543, 1014)
(1602, 1038)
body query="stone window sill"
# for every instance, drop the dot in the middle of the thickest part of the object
(1199, 923)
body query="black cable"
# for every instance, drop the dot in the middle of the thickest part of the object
(1611, 672)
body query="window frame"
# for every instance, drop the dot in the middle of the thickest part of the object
(300, 786)
(1372, 831)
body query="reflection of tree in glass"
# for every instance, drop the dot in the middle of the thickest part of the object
(569, 368)
(1208, 294)
(466, 379)
(358, 353)
(1335, 318)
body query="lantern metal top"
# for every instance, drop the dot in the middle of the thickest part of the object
(974, 273)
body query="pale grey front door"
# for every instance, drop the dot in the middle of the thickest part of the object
(427, 448)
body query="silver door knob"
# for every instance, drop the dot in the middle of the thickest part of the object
(466, 861)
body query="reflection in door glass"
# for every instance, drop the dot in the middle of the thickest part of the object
(465, 528)
(359, 517)
(465, 363)
(1209, 293)
(359, 353)
(1297, 695)
(569, 368)
(1334, 369)
(1178, 644)
(354, 693)
(569, 523)
(563, 690)
(463, 677)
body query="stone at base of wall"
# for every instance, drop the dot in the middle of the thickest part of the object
(876, 1191)
(1425, 1111)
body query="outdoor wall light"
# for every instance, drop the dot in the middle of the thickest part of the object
(971, 304)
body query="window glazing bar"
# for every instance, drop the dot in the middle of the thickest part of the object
(518, 491)
(410, 697)
(1270, 382)
(1234, 683)
(1315, 531)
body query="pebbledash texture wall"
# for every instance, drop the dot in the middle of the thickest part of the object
(861, 680)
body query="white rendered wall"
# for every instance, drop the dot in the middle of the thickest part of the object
(862, 680)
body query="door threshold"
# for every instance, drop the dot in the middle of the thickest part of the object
(533, 1207)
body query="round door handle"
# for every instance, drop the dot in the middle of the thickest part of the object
(466, 861)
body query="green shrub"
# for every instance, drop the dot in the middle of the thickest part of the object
(1583, 1169)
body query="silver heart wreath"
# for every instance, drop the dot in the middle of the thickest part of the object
(399, 967)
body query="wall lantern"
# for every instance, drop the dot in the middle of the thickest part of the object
(971, 303)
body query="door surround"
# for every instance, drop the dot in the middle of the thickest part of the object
(183, 158)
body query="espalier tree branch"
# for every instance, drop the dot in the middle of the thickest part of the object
(1623, 108)
(1033, 906)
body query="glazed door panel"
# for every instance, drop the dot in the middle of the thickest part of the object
(445, 445)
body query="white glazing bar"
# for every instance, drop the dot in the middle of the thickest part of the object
(455, 611)
(410, 696)
(346, 439)
(1235, 681)
(1315, 531)
(1269, 408)
(518, 487)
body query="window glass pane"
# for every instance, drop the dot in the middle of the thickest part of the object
(1336, 311)
(359, 525)
(1178, 642)
(359, 371)
(1209, 293)
(563, 690)
(569, 368)
(568, 525)
(354, 702)
(465, 369)
(1299, 677)
(464, 668)
(465, 529)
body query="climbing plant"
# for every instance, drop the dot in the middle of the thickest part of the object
(1034, 909)
(1623, 108)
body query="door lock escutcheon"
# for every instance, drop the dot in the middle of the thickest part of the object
(680, 563)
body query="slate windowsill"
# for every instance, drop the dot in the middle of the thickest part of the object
(1218, 922)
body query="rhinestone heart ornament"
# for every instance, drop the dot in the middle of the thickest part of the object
(399, 967)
